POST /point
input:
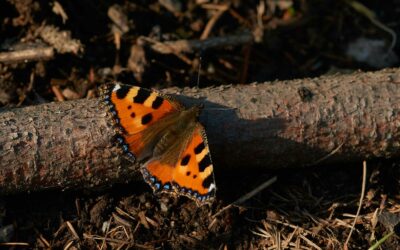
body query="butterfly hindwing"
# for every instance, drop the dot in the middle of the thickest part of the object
(134, 109)
(192, 175)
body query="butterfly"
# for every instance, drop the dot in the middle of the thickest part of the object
(159, 132)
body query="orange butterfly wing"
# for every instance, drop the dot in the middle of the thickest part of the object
(134, 109)
(192, 176)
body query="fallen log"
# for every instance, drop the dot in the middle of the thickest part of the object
(271, 125)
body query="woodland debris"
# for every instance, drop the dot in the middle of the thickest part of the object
(137, 61)
(61, 41)
(119, 18)
(190, 46)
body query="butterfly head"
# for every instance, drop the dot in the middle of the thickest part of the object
(196, 110)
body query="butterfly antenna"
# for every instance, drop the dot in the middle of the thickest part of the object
(198, 74)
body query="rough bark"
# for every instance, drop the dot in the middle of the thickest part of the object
(270, 125)
(64, 144)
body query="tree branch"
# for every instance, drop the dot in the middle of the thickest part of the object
(270, 125)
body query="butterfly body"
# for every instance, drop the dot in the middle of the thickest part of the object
(166, 137)
(177, 130)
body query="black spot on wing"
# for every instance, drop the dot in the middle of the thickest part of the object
(205, 162)
(199, 148)
(147, 118)
(122, 91)
(187, 173)
(185, 160)
(157, 102)
(133, 114)
(208, 181)
(141, 96)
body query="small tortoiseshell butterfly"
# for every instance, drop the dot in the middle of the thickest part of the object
(167, 138)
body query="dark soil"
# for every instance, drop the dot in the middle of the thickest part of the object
(99, 41)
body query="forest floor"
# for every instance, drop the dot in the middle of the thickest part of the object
(67, 49)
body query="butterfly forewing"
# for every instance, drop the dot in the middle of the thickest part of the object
(139, 108)
(135, 109)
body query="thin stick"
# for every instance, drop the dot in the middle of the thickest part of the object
(255, 191)
(309, 242)
(364, 180)
(248, 195)
(327, 156)
(57, 92)
(14, 244)
(72, 230)
(33, 54)
(103, 243)
(379, 242)
(213, 21)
